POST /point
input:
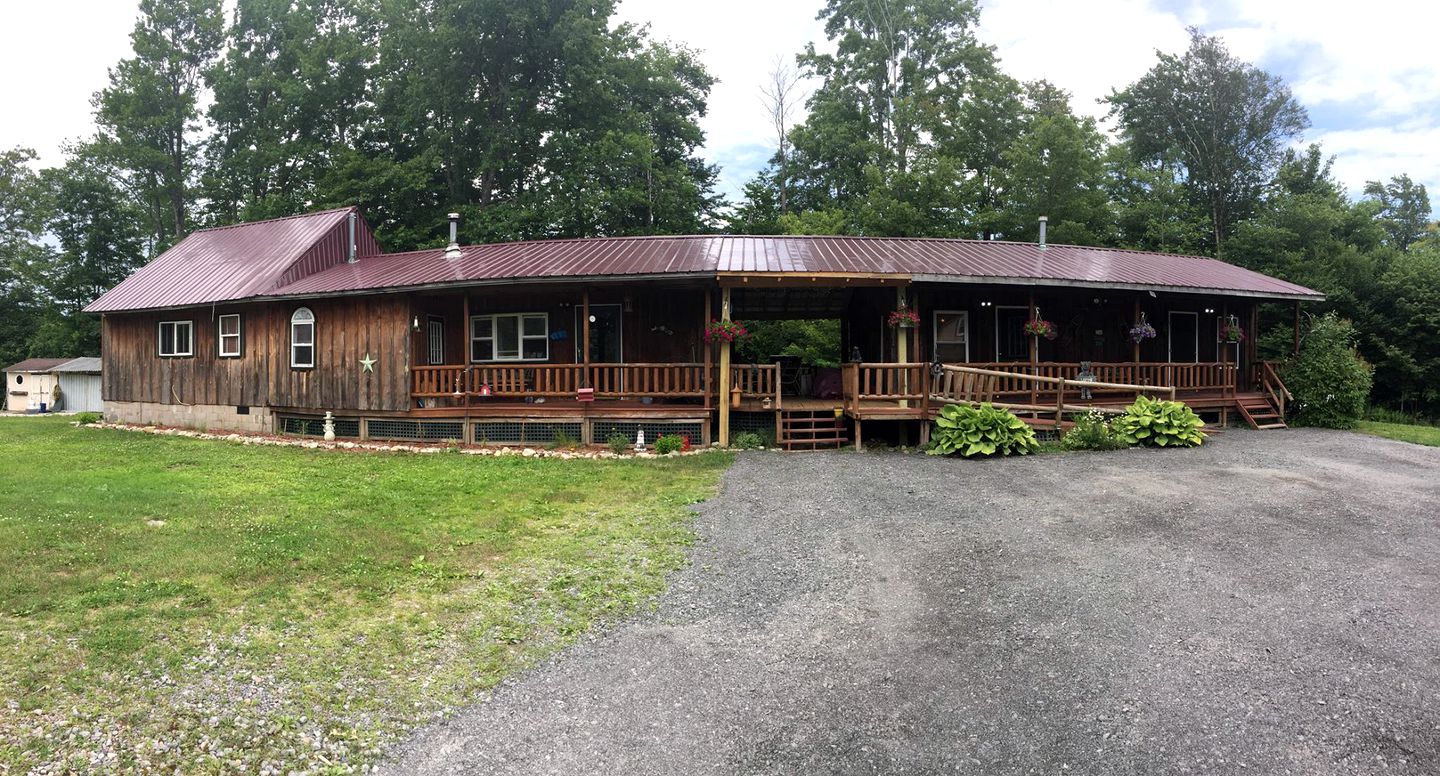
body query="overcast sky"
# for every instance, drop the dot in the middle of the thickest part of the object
(1367, 72)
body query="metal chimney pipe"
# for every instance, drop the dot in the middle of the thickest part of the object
(1043, 221)
(350, 256)
(452, 251)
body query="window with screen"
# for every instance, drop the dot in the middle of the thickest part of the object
(176, 338)
(228, 336)
(302, 339)
(510, 337)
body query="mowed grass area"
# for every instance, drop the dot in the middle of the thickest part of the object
(170, 603)
(1420, 435)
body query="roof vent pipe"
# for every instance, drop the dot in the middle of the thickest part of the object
(1043, 220)
(452, 251)
(350, 255)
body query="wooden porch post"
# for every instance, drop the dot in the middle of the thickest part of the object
(465, 373)
(1034, 354)
(585, 337)
(724, 396)
(1295, 349)
(1251, 349)
(1134, 345)
(708, 381)
(902, 345)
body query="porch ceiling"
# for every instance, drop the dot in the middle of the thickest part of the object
(790, 303)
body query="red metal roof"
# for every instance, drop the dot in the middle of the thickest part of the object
(305, 256)
(941, 260)
(31, 365)
(230, 263)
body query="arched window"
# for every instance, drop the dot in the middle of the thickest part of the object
(302, 339)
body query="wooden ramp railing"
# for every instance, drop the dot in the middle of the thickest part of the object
(973, 385)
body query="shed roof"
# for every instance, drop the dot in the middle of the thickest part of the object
(34, 365)
(228, 263)
(934, 259)
(82, 365)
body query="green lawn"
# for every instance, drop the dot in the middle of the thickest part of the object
(1420, 435)
(176, 603)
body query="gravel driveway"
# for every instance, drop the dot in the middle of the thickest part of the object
(1269, 603)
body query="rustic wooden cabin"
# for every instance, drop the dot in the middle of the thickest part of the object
(267, 326)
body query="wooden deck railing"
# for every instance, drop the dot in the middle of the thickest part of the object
(757, 381)
(559, 380)
(1205, 375)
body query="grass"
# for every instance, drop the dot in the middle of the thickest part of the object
(1420, 435)
(169, 603)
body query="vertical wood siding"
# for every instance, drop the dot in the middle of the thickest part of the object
(345, 331)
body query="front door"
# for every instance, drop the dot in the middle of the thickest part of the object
(1011, 342)
(1184, 338)
(607, 341)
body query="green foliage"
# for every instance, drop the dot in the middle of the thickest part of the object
(1159, 423)
(980, 431)
(87, 418)
(747, 440)
(618, 443)
(413, 582)
(816, 342)
(1092, 431)
(1330, 381)
(1428, 435)
(669, 443)
(1246, 116)
(563, 441)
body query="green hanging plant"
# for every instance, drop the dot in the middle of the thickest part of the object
(1159, 423)
(980, 431)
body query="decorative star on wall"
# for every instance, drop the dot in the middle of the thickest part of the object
(367, 363)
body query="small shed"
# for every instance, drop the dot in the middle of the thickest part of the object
(79, 381)
(31, 384)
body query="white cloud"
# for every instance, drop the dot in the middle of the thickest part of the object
(1087, 48)
(55, 55)
(1378, 153)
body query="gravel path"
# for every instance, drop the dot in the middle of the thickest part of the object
(1269, 603)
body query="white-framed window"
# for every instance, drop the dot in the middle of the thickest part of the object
(302, 339)
(952, 336)
(510, 337)
(227, 335)
(177, 339)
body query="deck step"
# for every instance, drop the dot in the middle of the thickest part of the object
(810, 430)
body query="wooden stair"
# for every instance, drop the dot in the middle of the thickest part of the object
(810, 430)
(1259, 411)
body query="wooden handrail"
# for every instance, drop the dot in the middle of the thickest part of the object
(636, 380)
(972, 385)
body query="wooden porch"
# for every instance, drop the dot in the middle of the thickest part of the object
(1043, 393)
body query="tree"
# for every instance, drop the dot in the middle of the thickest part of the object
(780, 94)
(1223, 123)
(910, 122)
(23, 206)
(1407, 369)
(100, 235)
(146, 116)
(288, 94)
(1404, 209)
(1055, 168)
(1330, 381)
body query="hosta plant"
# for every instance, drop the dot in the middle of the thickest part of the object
(1159, 423)
(980, 431)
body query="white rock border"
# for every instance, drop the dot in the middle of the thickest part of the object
(247, 438)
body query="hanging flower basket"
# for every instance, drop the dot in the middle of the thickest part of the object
(725, 331)
(1039, 327)
(904, 318)
(1231, 332)
(1141, 332)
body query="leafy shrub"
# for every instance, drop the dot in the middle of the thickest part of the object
(1329, 380)
(669, 443)
(86, 418)
(983, 430)
(1092, 431)
(748, 440)
(1159, 423)
(618, 443)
